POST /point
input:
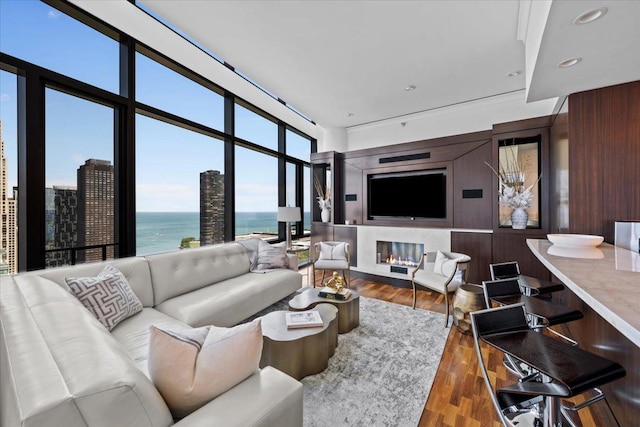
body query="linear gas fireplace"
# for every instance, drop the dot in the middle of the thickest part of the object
(399, 253)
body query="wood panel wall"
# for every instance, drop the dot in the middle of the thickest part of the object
(478, 247)
(604, 159)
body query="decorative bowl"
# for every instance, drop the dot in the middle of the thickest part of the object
(575, 240)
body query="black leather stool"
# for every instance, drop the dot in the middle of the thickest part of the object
(511, 269)
(542, 313)
(565, 370)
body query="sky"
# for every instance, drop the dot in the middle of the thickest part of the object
(168, 159)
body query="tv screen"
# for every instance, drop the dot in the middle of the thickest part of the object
(418, 194)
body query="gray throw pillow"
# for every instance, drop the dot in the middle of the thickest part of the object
(270, 257)
(107, 296)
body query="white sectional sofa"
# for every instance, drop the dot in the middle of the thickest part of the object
(59, 366)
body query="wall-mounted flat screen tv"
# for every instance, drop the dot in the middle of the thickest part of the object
(417, 195)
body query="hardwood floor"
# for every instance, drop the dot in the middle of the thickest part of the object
(458, 397)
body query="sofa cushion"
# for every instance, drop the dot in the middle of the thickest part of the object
(190, 367)
(107, 296)
(267, 398)
(231, 301)
(179, 272)
(134, 334)
(135, 270)
(64, 367)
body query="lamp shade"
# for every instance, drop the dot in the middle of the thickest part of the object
(288, 214)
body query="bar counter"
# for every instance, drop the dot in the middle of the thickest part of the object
(604, 283)
(603, 277)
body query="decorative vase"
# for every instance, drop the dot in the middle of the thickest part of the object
(325, 215)
(519, 218)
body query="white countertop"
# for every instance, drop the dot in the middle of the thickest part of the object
(607, 278)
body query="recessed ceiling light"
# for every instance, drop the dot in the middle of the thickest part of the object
(569, 62)
(590, 16)
(514, 73)
(410, 88)
(350, 114)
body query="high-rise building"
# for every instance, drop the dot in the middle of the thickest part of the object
(9, 215)
(62, 224)
(211, 207)
(95, 209)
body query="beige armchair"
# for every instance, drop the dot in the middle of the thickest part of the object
(332, 256)
(443, 272)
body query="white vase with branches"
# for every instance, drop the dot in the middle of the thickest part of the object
(324, 200)
(512, 191)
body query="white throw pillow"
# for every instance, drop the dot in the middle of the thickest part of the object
(444, 265)
(270, 257)
(336, 252)
(190, 367)
(107, 296)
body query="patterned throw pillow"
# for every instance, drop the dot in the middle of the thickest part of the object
(190, 367)
(108, 296)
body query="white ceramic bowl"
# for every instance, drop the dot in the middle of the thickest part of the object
(575, 240)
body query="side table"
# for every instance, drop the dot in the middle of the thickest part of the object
(299, 352)
(468, 297)
(348, 310)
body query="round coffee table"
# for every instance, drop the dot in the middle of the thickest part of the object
(348, 310)
(303, 351)
(468, 298)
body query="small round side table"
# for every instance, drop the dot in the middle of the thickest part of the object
(468, 298)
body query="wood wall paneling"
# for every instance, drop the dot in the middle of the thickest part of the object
(353, 186)
(513, 247)
(604, 154)
(478, 247)
(471, 173)
(559, 174)
(348, 234)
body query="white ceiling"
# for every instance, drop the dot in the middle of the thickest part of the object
(332, 58)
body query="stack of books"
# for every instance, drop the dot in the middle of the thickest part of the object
(331, 293)
(303, 319)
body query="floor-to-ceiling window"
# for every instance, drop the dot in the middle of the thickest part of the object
(79, 180)
(179, 188)
(69, 120)
(8, 172)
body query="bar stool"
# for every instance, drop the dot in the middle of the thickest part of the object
(565, 370)
(511, 269)
(541, 314)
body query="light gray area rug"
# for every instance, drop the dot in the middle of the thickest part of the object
(381, 372)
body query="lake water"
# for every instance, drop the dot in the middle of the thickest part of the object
(162, 231)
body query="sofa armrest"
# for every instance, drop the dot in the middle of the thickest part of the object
(267, 398)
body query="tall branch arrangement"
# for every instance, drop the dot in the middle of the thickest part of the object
(324, 195)
(512, 190)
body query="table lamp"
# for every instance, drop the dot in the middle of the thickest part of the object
(288, 215)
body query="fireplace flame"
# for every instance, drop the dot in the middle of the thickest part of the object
(391, 259)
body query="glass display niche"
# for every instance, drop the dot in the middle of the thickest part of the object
(521, 156)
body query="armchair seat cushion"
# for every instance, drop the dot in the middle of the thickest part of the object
(328, 264)
(437, 281)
